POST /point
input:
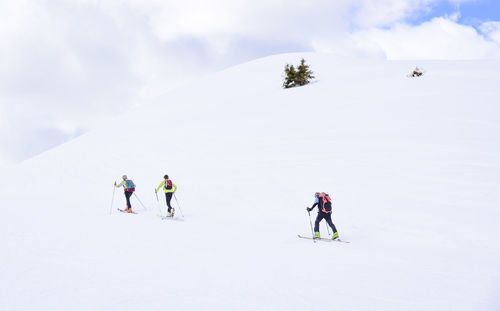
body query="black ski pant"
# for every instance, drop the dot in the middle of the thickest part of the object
(168, 197)
(127, 196)
(328, 218)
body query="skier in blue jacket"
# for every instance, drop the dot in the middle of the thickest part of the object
(129, 188)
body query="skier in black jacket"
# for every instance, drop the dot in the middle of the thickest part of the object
(324, 211)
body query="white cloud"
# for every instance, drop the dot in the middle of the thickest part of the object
(491, 30)
(218, 21)
(385, 12)
(439, 38)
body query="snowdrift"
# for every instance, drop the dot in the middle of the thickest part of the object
(412, 165)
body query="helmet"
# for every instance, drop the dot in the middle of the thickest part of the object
(124, 176)
(316, 194)
(165, 177)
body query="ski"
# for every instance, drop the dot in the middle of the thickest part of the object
(322, 239)
(124, 211)
(170, 217)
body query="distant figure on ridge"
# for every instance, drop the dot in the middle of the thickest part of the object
(129, 188)
(324, 211)
(169, 187)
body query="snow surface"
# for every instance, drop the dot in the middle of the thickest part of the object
(413, 166)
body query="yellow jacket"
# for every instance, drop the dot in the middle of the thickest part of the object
(162, 184)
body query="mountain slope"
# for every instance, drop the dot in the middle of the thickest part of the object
(412, 165)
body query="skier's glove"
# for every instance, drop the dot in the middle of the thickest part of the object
(309, 209)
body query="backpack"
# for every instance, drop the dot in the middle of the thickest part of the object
(327, 203)
(168, 184)
(129, 185)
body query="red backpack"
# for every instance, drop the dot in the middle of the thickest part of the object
(168, 184)
(327, 202)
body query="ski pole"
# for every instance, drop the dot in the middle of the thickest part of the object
(157, 200)
(310, 222)
(327, 229)
(140, 201)
(112, 199)
(178, 205)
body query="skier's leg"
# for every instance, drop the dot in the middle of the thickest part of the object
(127, 196)
(168, 197)
(316, 223)
(328, 219)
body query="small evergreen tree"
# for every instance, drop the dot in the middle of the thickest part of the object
(297, 77)
(290, 74)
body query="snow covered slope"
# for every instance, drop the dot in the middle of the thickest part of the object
(413, 166)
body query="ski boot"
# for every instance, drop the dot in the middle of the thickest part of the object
(316, 235)
(128, 210)
(335, 236)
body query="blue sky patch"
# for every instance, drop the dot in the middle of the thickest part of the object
(471, 13)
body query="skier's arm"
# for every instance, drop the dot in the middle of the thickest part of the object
(316, 202)
(314, 205)
(161, 185)
(120, 184)
(175, 187)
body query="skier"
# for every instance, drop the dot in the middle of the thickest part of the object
(169, 187)
(129, 188)
(324, 211)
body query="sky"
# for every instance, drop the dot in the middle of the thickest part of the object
(472, 12)
(67, 66)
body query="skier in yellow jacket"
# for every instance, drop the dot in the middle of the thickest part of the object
(169, 187)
